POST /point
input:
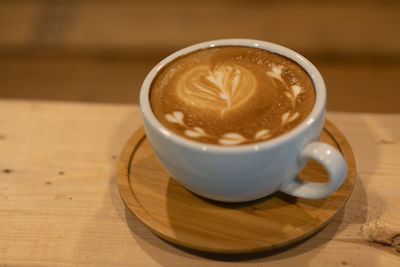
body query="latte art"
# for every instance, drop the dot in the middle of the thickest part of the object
(226, 139)
(231, 95)
(224, 85)
(220, 89)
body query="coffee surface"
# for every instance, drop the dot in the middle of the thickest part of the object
(231, 95)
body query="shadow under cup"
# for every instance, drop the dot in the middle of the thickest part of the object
(249, 171)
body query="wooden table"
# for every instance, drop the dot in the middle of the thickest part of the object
(101, 51)
(60, 205)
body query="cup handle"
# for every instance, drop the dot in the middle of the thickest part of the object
(331, 159)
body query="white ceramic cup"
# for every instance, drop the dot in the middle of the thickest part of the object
(250, 171)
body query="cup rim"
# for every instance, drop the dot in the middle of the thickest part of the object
(316, 77)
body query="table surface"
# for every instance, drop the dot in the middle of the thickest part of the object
(60, 205)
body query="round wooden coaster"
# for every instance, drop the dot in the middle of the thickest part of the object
(183, 218)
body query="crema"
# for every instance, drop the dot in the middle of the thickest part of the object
(231, 95)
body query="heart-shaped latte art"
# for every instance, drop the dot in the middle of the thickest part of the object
(221, 88)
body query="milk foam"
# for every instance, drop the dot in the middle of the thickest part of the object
(221, 88)
(226, 139)
(231, 96)
(225, 87)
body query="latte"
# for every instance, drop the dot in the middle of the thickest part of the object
(231, 95)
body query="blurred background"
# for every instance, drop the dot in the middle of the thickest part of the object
(100, 51)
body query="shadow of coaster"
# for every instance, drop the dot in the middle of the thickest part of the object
(183, 218)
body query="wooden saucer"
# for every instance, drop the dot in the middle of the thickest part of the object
(183, 218)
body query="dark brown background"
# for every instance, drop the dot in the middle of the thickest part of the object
(100, 51)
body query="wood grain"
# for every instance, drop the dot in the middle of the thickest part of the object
(351, 86)
(60, 205)
(100, 51)
(363, 27)
(181, 217)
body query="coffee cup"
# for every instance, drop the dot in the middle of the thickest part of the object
(237, 119)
